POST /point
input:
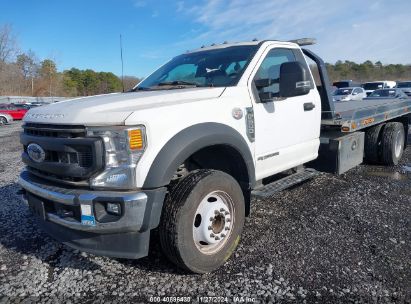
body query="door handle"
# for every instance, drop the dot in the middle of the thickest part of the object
(309, 106)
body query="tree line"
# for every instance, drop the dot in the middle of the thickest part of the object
(368, 71)
(23, 74)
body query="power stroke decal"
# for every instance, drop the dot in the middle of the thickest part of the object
(268, 156)
(249, 124)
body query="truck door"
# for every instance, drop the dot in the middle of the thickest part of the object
(287, 130)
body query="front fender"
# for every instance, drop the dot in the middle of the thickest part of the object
(190, 140)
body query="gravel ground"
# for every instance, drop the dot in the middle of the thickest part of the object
(332, 239)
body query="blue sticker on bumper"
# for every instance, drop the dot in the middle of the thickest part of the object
(88, 220)
(87, 216)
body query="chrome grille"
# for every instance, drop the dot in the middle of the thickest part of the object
(71, 157)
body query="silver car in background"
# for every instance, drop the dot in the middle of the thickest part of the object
(5, 119)
(347, 94)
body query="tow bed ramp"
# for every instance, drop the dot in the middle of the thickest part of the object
(353, 116)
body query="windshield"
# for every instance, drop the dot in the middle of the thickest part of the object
(383, 93)
(212, 68)
(373, 85)
(404, 84)
(343, 92)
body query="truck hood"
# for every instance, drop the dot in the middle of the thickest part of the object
(113, 109)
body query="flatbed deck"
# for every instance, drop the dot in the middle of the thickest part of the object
(352, 116)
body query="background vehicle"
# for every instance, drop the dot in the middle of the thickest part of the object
(36, 104)
(369, 87)
(24, 106)
(405, 86)
(5, 118)
(346, 94)
(16, 113)
(186, 149)
(387, 93)
(346, 84)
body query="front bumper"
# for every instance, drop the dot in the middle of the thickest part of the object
(60, 212)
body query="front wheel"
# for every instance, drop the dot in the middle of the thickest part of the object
(3, 120)
(202, 220)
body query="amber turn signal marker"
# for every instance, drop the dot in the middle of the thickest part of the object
(135, 138)
(353, 125)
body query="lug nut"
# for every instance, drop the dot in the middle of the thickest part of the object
(217, 238)
(212, 235)
(226, 213)
(211, 219)
(222, 235)
(210, 228)
(227, 228)
(222, 209)
(216, 212)
(228, 220)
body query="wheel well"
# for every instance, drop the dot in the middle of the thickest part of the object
(223, 158)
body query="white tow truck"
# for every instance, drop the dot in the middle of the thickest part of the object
(186, 149)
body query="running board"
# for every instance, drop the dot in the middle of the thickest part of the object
(284, 183)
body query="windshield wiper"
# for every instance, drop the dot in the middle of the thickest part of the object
(139, 89)
(178, 83)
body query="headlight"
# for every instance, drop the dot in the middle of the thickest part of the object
(124, 147)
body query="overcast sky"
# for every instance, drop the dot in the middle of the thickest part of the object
(85, 34)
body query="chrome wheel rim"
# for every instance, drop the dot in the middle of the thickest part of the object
(399, 142)
(213, 222)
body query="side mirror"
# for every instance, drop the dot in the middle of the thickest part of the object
(294, 79)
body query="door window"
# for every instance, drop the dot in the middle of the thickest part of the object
(270, 67)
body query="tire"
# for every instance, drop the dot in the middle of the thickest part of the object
(3, 121)
(189, 236)
(372, 144)
(392, 143)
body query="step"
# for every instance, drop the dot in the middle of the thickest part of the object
(284, 183)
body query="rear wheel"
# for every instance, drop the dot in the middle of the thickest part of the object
(202, 220)
(392, 143)
(372, 144)
(3, 120)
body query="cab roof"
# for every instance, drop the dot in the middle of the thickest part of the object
(300, 42)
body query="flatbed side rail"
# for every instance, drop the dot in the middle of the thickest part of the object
(356, 119)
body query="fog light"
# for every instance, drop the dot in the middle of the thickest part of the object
(114, 208)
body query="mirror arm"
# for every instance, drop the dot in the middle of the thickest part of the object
(265, 82)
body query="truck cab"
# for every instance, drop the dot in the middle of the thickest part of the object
(182, 152)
